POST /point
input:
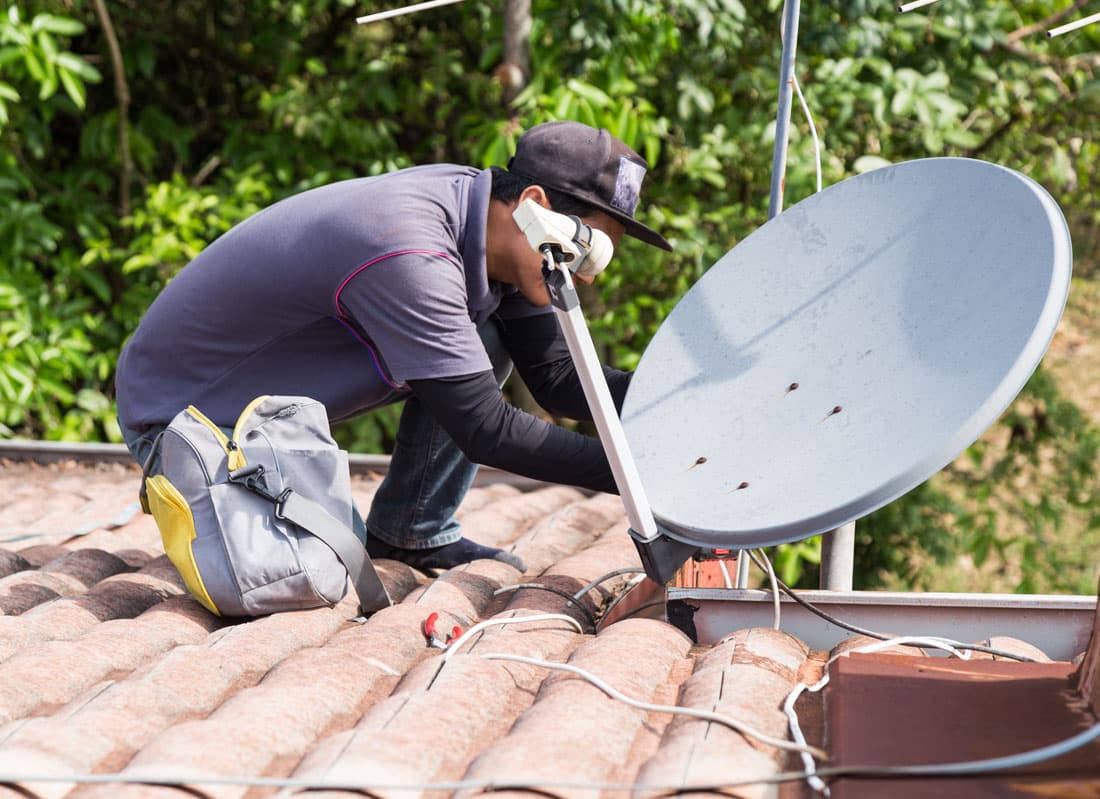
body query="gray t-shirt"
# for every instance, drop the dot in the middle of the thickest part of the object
(341, 293)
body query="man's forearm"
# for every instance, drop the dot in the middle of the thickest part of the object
(541, 355)
(492, 432)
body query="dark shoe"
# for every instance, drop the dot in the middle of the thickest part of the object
(441, 558)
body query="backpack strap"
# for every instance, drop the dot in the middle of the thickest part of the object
(146, 469)
(315, 519)
(310, 515)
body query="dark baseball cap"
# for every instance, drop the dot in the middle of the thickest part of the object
(588, 165)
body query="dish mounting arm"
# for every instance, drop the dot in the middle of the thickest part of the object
(661, 555)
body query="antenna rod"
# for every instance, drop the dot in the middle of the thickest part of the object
(905, 7)
(1072, 26)
(397, 12)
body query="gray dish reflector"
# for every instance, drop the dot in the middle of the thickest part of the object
(846, 351)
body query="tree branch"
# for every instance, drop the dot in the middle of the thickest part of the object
(1081, 60)
(1043, 24)
(122, 93)
(1018, 49)
(1088, 60)
(1013, 117)
(206, 171)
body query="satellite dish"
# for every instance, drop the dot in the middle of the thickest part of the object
(846, 351)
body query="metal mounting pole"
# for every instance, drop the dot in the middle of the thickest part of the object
(837, 558)
(837, 546)
(789, 34)
(742, 569)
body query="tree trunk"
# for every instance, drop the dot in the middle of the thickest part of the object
(515, 70)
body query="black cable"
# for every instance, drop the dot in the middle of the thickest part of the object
(642, 607)
(988, 766)
(606, 577)
(22, 790)
(882, 636)
(532, 789)
(565, 594)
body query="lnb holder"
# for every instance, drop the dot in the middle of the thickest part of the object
(563, 294)
(662, 556)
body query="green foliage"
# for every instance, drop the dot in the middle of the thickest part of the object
(30, 52)
(235, 105)
(377, 435)
(798, 563)
(1002, 509)
(55, 352)
(177, 220)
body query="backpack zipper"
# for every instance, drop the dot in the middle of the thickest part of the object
(234, 454)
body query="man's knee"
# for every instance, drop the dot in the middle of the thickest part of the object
(144, 446)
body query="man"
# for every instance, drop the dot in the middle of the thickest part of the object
(417, 286)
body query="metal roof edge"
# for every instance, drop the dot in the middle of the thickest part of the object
(1060, 625)
(55, 451)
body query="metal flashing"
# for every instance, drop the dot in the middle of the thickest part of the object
(1060, 625)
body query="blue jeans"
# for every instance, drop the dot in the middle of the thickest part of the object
(415, 506)
(427, 479)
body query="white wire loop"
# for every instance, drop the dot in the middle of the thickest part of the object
(813, 128)
(706, 715)
(766, 567)
(469, 634)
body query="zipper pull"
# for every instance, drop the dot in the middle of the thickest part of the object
(231, 445)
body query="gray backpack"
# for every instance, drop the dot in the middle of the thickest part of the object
(260, 521)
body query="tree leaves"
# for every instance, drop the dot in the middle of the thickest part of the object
(242, 102)
(33, 50)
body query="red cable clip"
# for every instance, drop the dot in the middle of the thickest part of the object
(456, 633)
(436, 640)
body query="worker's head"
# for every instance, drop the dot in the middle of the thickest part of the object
(572, 169)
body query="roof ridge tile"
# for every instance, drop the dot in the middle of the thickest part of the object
(12, 562)
(312, 692)
(565, 531)
(481, 497)
(190, 681)
(111, 649)
(500, 523)
(72, 573)
(747, 677)
(122, 595)
(636, 657)
(439, 717)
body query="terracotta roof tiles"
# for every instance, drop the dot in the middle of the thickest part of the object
(107, 665)
(746, 676)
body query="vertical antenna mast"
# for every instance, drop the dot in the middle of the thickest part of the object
(837, 546)
(789, 34)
